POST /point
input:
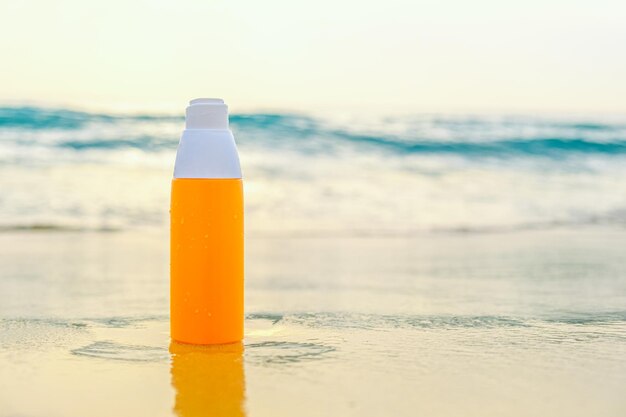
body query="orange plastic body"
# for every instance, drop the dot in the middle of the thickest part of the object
(206, 271)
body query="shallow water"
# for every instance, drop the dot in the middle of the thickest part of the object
(522, 323)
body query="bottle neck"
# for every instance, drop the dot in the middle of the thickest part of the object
(206, 113)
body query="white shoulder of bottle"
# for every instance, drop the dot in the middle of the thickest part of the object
(207, 153)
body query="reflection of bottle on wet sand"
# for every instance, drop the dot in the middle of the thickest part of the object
(209, 380)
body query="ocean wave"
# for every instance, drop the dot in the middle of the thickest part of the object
(534, 146)
(613, 219)
(53, 227)
(146, 143)
(472, 137)
(547, 147)
(39, 118)
(65, 170)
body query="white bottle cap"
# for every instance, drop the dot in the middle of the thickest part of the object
(207, 113)
(207, 148)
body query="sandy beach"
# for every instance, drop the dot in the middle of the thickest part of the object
(518, 323)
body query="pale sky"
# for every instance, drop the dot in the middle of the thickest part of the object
(352, 55)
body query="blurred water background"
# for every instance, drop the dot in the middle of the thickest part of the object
(315, 175)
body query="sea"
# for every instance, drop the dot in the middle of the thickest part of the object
(316, 175)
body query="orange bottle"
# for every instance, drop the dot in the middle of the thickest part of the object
(206, 247)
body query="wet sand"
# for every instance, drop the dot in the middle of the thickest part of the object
(519, 323)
